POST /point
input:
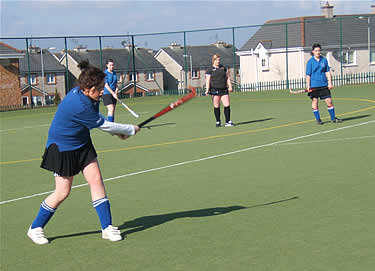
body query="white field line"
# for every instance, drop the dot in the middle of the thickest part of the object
(329, 140)
(201, 159)
(27, 127)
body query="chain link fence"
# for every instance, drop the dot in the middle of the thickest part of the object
(39, 71)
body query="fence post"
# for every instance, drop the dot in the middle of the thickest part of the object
(341, 52)
(234, 59)
(134, 71)
(185, 64)
(286, 55)
(66, 67)
(100, 53)
(28, 72)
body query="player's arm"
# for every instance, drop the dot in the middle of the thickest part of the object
(111, 91)
(208, 80)
(329, 78)
(229, 83)
(308, 82)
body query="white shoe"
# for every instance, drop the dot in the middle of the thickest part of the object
(37, 236)
(229, 124)
(112, 233)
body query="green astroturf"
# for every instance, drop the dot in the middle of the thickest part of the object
(205, 198)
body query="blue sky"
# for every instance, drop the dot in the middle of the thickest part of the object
(74, 18)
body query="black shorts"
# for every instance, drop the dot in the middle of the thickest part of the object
(320, 92)
(218, 91)
(68, 163)
(108, 99)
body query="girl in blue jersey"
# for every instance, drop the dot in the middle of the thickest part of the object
(110, 90)
(69, 150)
(319, 83)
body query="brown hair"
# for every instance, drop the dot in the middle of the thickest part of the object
(214, 57)
(90, 76)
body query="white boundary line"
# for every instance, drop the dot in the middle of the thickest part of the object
(200, 159)
(329, 140)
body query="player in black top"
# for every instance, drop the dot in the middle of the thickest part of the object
(218, 85)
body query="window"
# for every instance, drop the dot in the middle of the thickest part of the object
(119, 76)
(37, 100)
(349, 57)
(195, 73)
(265, 63)
(372, 55)
(49, 99)
(51, 78)
(33, 79)
(131, 74)
(150, 76)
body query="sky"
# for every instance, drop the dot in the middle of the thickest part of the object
(107, 17)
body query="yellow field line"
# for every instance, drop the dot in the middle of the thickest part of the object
(212, 137)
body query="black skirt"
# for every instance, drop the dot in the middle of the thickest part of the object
(68, 163)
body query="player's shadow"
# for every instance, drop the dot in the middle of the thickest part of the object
(252, 121)
(158, 125)
(356, 117)
(146, 222)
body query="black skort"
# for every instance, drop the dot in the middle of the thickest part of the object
(68, 163)
(320, 92)
(218, 91)
(108, 99)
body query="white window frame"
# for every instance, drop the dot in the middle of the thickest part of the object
(372, 56)
(49, 76)
(131, 77)
(195, 74)
(150, 76)
(266, 66)
(346, 55)
(120, 77)
(33, 79)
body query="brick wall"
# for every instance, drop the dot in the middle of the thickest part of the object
(10, 91)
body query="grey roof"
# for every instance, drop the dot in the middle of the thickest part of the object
(7, 51)
(144, 60)
(50, 64)
(201, 56)
(304, 31)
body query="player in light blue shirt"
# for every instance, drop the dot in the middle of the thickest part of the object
(69, 151)
(319, 83)
(110, 90)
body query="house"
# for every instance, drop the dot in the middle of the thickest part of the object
(280, 49)
(10, 90)
(46, 75)
(197, 60)
(146, 75)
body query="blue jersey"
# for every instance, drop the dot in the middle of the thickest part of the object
(317, 71)
(111, 80)
(76, 115)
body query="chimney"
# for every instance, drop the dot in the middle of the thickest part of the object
(327, 11)
(174, 45)
(373, 9)
(221, 44)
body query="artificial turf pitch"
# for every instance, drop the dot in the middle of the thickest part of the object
(275, 192)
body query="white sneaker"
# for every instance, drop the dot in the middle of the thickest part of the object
(37, 236)
(111, 233)
(229, 124)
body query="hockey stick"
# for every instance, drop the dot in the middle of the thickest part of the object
(177, 103)
(300, 90)
(127, 108)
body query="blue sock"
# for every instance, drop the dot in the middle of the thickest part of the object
(331, 111)
(316, 113)
(103, 208)
(44, 215)
(111, 118)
